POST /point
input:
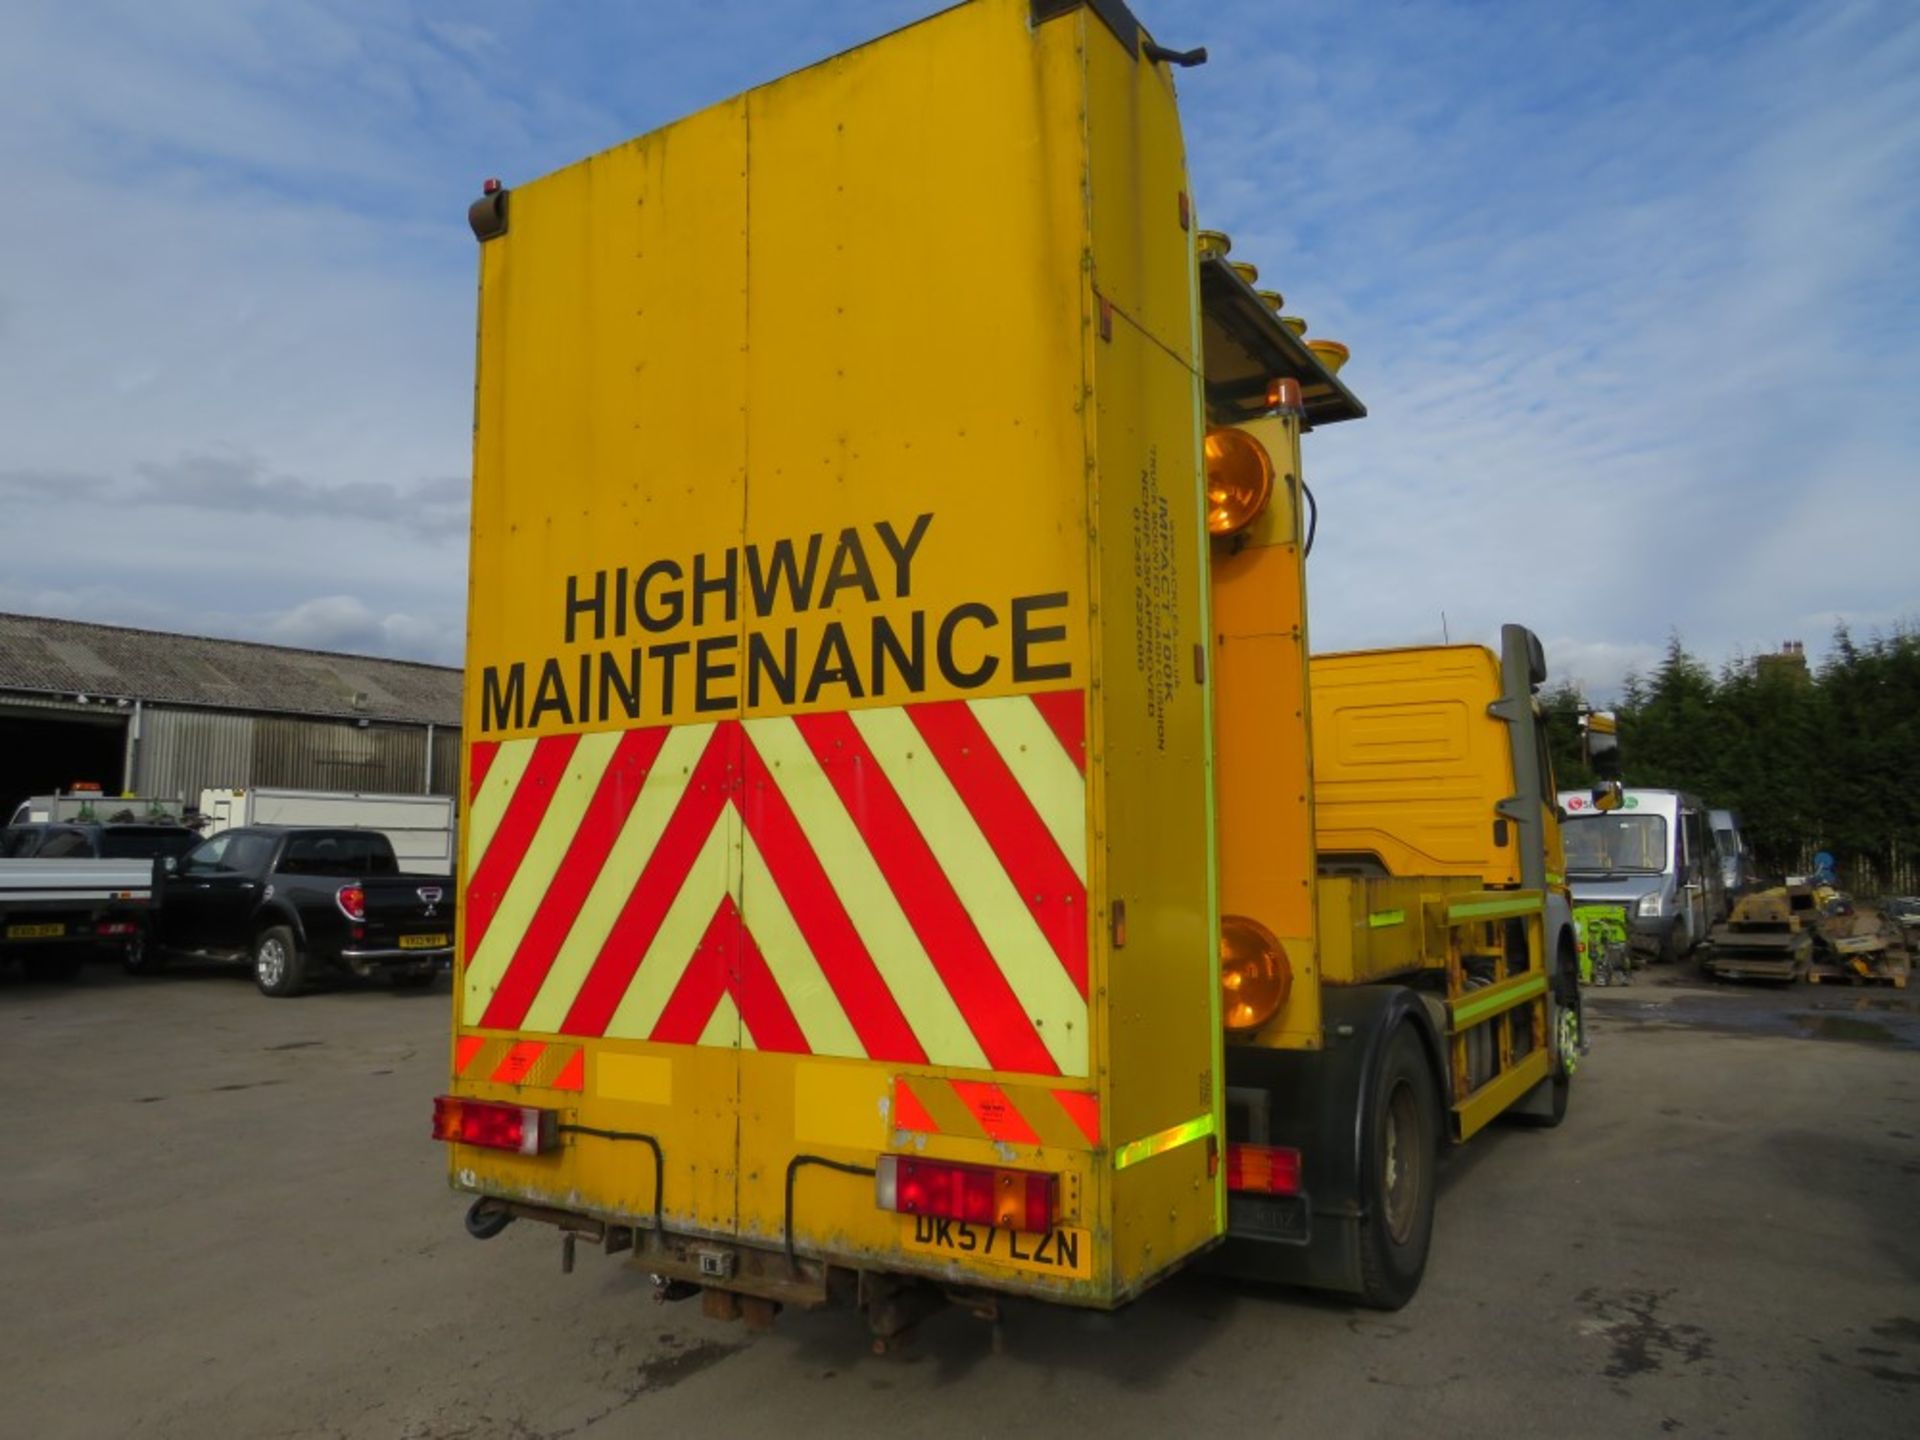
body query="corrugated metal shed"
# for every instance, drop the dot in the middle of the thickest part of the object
(182, 752)
(69, 657)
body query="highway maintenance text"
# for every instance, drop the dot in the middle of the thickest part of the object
(629, 673)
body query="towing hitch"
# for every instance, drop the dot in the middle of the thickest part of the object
(487, 1218)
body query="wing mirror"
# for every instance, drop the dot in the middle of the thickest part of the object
(1609, 795)
(1600, 745)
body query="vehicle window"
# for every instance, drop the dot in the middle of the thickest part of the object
(207, 859)
(249, 853)
(66, 845)
(1631, 844)
(17, 842)
(143, 844)
(316, 855)
(377, 857)
(1694, 851)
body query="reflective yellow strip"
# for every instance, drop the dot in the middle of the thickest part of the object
(795, 971)
(910, 976)
(660, 797)
(528, 887)
(1380, 919)
(1497, 999)
(1042, 769)
(667, 958)
(1494, 909)
(725, 1030)
(1148, 1146)
(490, 805)
(1012, 935)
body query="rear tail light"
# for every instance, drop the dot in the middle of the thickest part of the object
(1268, 1169)
(521, 1128)
(977, 1194)
(353, 902)
(115, 928)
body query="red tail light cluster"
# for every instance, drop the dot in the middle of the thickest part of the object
(521, 1128)
(976, 1194)
(353, 902)
(1268, 1169)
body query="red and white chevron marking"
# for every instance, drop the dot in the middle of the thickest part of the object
(904, 884)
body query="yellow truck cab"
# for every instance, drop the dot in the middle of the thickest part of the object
(889, 860)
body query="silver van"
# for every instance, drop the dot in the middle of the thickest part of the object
(1656, 856)
(1738, 872)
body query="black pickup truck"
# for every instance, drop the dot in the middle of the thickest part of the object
(299, 901)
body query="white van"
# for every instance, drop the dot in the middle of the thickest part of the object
(1656, 856)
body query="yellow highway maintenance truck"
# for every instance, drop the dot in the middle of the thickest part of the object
(889, 870)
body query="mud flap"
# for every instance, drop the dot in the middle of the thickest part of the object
(1313, 1100)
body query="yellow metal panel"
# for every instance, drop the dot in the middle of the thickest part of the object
(640, 1079)
(916, 303)
(1137, 180)
(839, 1104)
(608, 434)
(1408, 764)
(1493, 1099)
(1264, 755)
(1372, 930)
(1151, 720)
(801, 405)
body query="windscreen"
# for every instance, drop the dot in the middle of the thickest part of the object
(1600, 844)
(145, 844)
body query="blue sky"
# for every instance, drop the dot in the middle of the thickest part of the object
(1633, 294)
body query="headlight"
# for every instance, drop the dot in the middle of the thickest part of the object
(1650, 906)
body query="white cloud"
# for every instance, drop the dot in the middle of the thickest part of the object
(345, 622)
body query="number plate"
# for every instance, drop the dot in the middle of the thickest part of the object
(1061, 1252)
(35, 932)
(423, 942)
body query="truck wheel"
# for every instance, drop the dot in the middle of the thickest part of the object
(1670, 944)
(1398, 1180)
(141, 956)
(278, 968)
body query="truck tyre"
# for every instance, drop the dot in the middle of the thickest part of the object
(278, 967)
(140, 956)
(1397, 1179)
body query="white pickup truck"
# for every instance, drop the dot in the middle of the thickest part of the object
(53, 911)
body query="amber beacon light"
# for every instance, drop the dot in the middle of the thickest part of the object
(1255, 976)
(1239, 479)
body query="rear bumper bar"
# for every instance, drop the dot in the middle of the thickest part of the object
(385, 957)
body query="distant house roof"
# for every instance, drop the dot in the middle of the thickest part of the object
(70, 657)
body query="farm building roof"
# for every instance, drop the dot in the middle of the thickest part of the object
(73, 658)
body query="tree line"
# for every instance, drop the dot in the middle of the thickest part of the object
(1812, 758)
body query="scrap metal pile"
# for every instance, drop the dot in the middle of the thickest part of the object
(1813, 931)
